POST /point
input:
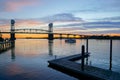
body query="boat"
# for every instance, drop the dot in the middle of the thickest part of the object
(70, 41)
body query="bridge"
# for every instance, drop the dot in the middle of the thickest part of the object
(49, 32)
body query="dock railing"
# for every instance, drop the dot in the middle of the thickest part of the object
(5, 45)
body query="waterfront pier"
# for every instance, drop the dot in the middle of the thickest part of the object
(80, 70)
(5, 45)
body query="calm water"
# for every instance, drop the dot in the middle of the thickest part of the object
(31, 55)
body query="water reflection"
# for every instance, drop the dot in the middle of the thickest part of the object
(37, 51)
(13, 51)
(50, 44)
(87, 61)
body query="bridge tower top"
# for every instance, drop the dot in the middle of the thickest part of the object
(12, 25)
(50, 27)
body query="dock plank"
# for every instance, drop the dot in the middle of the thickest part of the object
(68, 65)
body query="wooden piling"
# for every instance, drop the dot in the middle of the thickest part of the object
(110, 67)
(87, 45)
(83, 53)
(87, 50)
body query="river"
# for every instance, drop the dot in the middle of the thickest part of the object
(31, 55)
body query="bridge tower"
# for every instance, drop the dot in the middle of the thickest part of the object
(50, 35)
(12, 34)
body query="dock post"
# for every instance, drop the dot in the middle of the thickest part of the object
(87, 45)
(83, 53)
(110, 67)
(87, 51)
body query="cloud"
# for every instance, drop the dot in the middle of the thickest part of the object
(29, 21)
(101, 6)
(58, 20)
(66, 23)
(91, 28)
(4, 21)
(116, 18)
(61, 18)
(88, 30)
(84, 10)
(4, 24)
(21, 23)
(93, 24)
(14, 5)
(110, 20)
(103, 24)
(96, 10)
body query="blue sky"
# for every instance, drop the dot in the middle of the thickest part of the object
(72, 12)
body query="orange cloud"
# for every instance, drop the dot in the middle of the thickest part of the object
(30, 24)
(18, 4)
(23, 23)
(5, 27)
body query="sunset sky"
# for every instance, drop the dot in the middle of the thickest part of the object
(68, 16)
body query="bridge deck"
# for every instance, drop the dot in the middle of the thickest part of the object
(67, 66)
(43, 33)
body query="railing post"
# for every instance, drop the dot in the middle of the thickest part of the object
(87, 45)
(83, 53)
(110, 67)
(87, 50)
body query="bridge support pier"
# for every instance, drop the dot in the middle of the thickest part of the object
(68, 36)
(60, 36)
(12, 34)
(50, 35)
(74, 36)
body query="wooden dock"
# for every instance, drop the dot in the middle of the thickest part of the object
(5, 45)
(68, 66)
